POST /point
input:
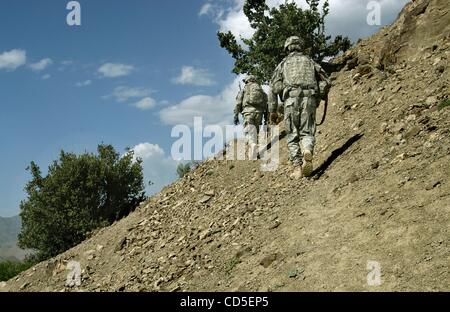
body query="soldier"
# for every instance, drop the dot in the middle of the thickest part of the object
(296, 81)
(251, 102)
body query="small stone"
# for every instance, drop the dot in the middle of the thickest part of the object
(431, 100)
(275, 225)
(397, 88)
(411, 118)
(209, 173)
(353, 178)
(400, 158)
(205, 199)
(412, 132)
(268, 260)
(211, 193)
(295, 272)
(432, 185)
(375, 165)
(399, 127)
(25, 285)
(205, 234)
(90, 254)
(121, 244)
(175, 289)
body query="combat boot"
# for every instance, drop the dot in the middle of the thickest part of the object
(297, 166)
(307, 167)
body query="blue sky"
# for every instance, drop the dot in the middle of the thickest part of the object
(126, 76)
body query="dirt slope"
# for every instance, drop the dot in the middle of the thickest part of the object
(381, 193)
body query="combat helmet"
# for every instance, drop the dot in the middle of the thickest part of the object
(251, 78)
(292, 40)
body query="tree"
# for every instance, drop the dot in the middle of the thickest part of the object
(78, 195)
(265, 50)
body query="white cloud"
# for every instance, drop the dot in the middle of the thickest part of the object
(65, 65)
(84, 83)
(112, 70)
(158, 168)
(194, 76)
(13, 59)
(124, 93)
(145, 103)
(215, 110)
(41, 65)
(347, 17)
(46, 76)
(205, 9)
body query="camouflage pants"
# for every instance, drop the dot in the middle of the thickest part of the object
(252, 123)
(300, 122)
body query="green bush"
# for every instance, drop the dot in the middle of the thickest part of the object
(9, 269)
(80, 193)
(444, 104)
(183, 169)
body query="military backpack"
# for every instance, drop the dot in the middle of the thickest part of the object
(254, 95)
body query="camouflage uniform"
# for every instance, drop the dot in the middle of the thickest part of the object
(295, 81)
(253, 115)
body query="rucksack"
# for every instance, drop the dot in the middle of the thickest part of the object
(254, 95)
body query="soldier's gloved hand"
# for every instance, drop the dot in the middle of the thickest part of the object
(236, 120)
(273, 118)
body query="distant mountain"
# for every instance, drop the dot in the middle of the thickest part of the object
(9, 229)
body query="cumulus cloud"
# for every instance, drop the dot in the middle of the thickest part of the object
(145, 103)
(194, 76)
(41, 65)
(11, 60)
(347, 17)
(114, 70)
(84, 83)
(214, 109)
(158, 168)
(124, 93)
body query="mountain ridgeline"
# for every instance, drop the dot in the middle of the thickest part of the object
(9, 229)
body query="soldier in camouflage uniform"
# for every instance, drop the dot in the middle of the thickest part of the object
(251, 102)
(295, 80)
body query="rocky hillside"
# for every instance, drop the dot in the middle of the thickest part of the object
(381, 192)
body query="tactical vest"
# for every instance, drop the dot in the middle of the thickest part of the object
(299, 71)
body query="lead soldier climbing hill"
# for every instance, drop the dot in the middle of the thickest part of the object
(300, 83)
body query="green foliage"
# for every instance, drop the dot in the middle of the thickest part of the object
(79, 194)
(231, 264)
(9, 269)
(265, 50)
(444, 104)
(183, 169)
